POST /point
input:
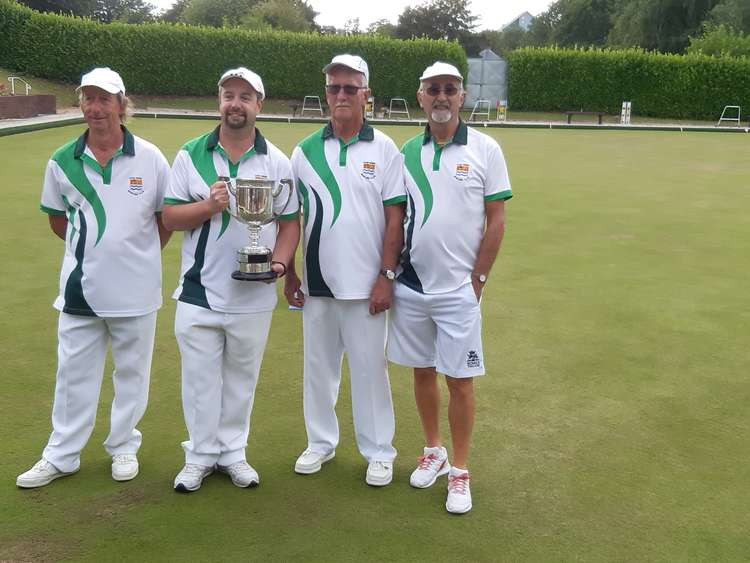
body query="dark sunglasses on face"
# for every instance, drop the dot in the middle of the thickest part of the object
(349, 89)
(449, 90)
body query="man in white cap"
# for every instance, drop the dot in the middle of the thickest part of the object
(222, 323)
(350, 180)
(457, 182)
(103, 195)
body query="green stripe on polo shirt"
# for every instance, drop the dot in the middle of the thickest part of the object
(202, 157)
(72, 167)
(343, 147)
(50, 211)
(106, 171)
(193, 290)
(305, 199)
(412, 150)
(71, 217)
(75, 301)
(288, 216)
(313, 147)
(316, 285)
(176, 201)
(436, 156)
(505, 194)
(395, 200)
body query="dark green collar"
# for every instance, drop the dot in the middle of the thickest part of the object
(460, 137)
(128, 143)
(366, 133)
(261, 147)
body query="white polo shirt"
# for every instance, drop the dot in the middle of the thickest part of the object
(112, 261)
(209, 252)
(343, 188)
(448, 187)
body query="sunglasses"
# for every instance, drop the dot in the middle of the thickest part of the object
(349, 89)
(450, 90)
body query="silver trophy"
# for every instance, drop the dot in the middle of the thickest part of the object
(252, 205)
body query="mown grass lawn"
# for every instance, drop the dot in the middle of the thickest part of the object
(612, 425)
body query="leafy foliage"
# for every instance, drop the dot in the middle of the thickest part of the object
(161, 58)
(721, 41)
(659, 85)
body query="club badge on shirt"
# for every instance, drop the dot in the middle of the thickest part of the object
(368, 170)
(462, 172)
(136, 185)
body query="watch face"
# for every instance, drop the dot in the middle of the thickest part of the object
(389, 274)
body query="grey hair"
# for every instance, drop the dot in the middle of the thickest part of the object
(128, 109)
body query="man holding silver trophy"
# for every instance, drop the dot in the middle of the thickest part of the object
(350, 180)
(221, 183)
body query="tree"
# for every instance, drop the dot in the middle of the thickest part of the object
(503, 41)
(216, 13)
(174, 13)
(664, 25)
(437, 19)
(382, 27)
(290, 15)
(732, 14)
(128, 11)
(74, 7)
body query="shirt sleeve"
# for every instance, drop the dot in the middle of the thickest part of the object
(178, 186)
(52, 202)
(497, 182)
(394, 190)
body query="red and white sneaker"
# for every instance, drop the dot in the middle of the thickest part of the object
(432, 465)
(459, 493)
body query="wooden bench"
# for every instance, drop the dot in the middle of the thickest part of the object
(599, 114)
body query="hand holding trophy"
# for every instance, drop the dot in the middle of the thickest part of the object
(252, 203)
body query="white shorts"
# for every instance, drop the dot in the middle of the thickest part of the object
(441, 330)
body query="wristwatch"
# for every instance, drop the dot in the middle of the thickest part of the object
(388, 274)
(481, 278)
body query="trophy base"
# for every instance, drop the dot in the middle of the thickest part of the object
(254, 276)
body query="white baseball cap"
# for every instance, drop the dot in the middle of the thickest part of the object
(104, 78)
(353, 62)
(248, 76)
(440, 68)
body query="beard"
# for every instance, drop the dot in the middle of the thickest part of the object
(235, 120)
(441, 115)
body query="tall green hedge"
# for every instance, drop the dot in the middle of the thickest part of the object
(172, 59)
(659, 85)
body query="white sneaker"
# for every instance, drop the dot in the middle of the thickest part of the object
(432, 465)
(379, 473)
(41, 474)
(242, 473)
(310, 462)
(124, 467)
(191, 477)
(459, 493)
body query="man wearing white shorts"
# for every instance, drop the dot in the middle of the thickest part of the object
(222, 323)
(457, 183)
(103, 194)
(350, 180)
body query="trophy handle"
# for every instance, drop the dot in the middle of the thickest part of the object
(233, 191)
(277, 191)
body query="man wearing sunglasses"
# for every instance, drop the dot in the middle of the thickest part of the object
(350, 181)
(457, 184)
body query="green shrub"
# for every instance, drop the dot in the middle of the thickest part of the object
(692, 86)
(161, 58)
(721, 41)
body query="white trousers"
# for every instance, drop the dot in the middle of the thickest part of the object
(221, 356)
(332, 327)
(81, 352)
